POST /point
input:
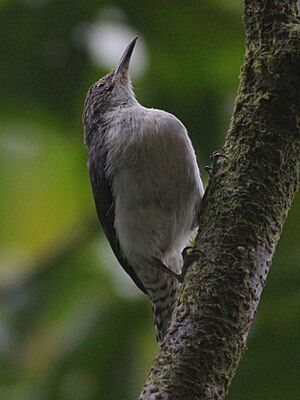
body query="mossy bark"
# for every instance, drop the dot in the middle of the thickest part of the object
(243, 212)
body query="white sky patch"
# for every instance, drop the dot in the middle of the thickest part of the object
(106, 41)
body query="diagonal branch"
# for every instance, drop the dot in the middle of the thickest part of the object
(245, 206)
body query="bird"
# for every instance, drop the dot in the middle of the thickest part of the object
(146, 186)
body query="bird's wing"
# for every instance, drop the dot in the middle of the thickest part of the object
(105, 206)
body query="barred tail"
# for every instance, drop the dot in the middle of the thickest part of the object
(163, 304)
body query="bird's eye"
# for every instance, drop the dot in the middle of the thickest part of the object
(109, 87)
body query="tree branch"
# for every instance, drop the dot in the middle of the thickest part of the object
(243, 212)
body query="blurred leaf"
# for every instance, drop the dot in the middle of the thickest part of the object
(72, 323)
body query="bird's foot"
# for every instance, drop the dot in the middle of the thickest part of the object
(185, 251)
(190, 255)
(168, 271)
(215, 156)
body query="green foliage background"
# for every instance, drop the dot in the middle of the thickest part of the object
(72, 325)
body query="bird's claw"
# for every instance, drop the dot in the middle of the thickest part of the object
(185, 251)
(209, 170)
(190, 255)
(168, 271)
(215, 156)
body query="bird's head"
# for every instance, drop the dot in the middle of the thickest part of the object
(113, 90)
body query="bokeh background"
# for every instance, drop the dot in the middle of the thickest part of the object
(72, 324)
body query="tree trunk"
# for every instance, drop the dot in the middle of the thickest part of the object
(242, 215)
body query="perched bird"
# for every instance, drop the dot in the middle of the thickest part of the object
(146, 185)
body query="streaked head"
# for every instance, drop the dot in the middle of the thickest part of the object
(114, 89)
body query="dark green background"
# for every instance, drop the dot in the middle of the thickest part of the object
(72, 324)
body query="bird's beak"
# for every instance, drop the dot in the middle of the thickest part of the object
(123, 66)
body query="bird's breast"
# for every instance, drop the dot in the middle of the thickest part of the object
(155, 181)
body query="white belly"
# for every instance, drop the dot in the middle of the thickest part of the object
(157, 190)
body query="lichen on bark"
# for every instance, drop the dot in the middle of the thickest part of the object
(243, 212)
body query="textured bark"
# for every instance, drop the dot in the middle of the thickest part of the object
(243, 212)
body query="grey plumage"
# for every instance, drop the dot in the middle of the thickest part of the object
(146, 185)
